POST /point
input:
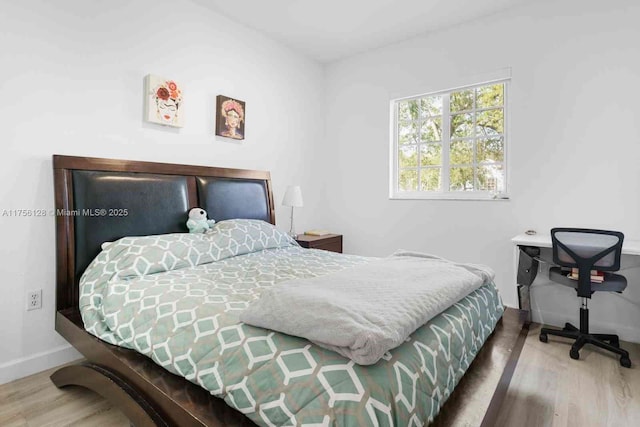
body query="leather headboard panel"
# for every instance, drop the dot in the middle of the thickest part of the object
(155, 204)
(225, 198)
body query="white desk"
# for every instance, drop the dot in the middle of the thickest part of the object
(629, 247)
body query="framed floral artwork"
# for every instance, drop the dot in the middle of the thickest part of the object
(163, 102)
(230, 117)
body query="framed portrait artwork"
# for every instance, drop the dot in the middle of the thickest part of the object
(230, 117)
(163, 101)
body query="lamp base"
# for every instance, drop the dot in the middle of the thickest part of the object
(292, 230)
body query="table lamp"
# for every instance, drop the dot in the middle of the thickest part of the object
(293, 198)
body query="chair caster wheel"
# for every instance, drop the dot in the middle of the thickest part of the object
(625, 362)
(544, 338)
(574, 354)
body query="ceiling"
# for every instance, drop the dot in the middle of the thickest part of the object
(327, 30)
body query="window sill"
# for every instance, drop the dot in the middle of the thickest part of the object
(486, 197)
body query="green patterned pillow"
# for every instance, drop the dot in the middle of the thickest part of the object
(241, 236)
(139, 256)
(132, 257)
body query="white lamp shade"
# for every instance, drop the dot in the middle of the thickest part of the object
(293, 197)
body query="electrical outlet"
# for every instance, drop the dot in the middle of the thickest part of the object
(34, 300)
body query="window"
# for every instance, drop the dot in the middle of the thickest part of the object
(451, 144)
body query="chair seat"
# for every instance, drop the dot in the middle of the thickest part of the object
(612, 282)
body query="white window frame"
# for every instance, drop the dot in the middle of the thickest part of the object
(445, 193)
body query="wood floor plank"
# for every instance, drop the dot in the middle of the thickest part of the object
(551, 389)
(35, 402)
(10, 414)
(75, 406)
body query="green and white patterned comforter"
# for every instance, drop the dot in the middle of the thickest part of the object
(176, 298)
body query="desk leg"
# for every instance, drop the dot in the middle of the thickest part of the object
(524, 302)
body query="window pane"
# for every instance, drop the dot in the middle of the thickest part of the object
(461, 152)
(431, 129)
(462, 100)
(490, 122)
(408, 110)
(408, 156)
(490, 96)
(491, 178)
(431, 106)
(430, 155)
(461, 179)
(490, 150)
(407, 133)
(461, 125)
(408, 180)
(430, 179)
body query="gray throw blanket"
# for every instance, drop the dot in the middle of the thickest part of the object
(364, 311)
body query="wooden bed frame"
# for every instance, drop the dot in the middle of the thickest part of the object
(145, 392)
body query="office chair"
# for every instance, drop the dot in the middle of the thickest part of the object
(587, 250)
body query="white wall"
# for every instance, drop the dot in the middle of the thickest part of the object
(71, 81)
(574, 142)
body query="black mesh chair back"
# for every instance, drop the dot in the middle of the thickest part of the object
(591, 249)
(587, 250)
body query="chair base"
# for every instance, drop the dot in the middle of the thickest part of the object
(605, 341)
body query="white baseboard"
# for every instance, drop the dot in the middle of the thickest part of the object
(25, 366)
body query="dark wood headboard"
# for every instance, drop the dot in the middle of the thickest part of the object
(100, 200)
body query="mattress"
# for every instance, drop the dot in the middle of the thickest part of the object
(184, 316)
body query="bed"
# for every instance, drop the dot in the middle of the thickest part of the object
(260, 376)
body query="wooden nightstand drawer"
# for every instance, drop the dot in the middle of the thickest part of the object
(329, 242)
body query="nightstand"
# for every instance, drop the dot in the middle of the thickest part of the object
(328, 242)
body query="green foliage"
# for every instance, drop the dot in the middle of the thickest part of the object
(461, 101)
(408, 110)
(461, 179)
(408, 156)
(431, 130)
(462, 125)
(490, 150)
(490, 96)
(461, 152)
(408, 180)
(430, 179)
(407, 133)
(490, 122)
(430, 154)
(431, 106)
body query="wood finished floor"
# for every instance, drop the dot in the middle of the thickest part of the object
(34, 402)
(548, 389)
